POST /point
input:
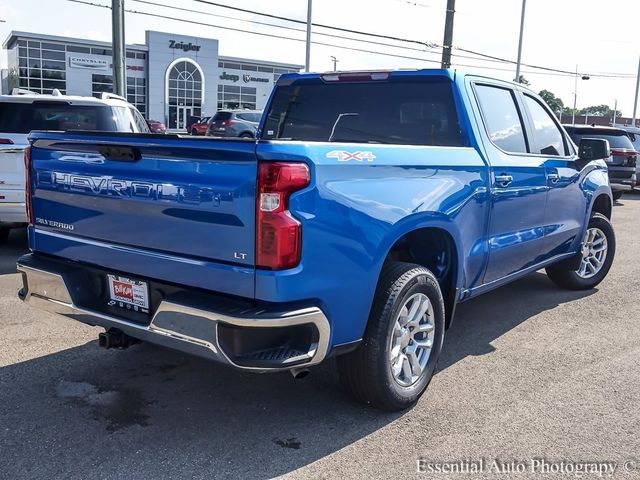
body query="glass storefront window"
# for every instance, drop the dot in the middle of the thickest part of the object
(184, 93)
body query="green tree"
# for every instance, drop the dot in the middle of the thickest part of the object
(599, 111)
(555, 104)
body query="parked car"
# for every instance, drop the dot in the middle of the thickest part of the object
(351, 228)
(634, 136)
(156, 127)
(623, 158)
(27, 111)
(191, 119)
(234, 123)
(200, 127)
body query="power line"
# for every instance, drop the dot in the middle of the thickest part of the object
(332, 27)
(485, 57)
(195, 22)
(256, 22)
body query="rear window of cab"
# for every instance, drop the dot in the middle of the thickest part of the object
(400, 111)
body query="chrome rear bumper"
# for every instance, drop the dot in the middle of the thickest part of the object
(191, 327)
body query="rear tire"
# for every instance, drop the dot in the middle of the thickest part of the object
(194, 132)
(246, 135)
(617, 195)
(593, 267)
(4, 234)
(393, 365)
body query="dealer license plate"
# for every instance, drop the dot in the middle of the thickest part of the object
(127, 293)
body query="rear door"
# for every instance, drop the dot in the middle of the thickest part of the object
(518, 190)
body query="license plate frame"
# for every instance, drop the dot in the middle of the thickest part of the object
(128, 293)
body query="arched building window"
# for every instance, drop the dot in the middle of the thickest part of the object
(184, 92)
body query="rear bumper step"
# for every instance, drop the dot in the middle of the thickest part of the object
(251, 337)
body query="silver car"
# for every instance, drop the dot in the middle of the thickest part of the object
(234, 123)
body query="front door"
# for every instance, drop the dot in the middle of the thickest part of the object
(518, 184)
(183, 117)
(566, 204)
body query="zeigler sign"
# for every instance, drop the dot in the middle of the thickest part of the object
(185, 47)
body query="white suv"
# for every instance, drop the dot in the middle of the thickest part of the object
(25, 111)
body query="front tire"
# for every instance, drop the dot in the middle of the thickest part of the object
(395, 362)
(598, 250)
(617, 195)
(4, 234)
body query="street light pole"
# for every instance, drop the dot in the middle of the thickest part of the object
(575, 98)
(117, 47)
(308, 52)
(335, 62)
(524, 4)
(635, 101)
(448, 34)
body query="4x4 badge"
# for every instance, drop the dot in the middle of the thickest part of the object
(344, 156)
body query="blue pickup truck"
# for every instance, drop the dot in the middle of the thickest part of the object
(370, 204)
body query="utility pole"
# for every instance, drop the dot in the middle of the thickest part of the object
(615, 108)
(575, 98)
(635, 101)
(448, 34)
(335, 62)
(308, 53)
(524, 4)
(117, 47)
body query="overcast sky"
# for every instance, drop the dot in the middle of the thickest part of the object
(599, 37)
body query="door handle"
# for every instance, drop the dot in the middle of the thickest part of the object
(503, 180)
(554, 177)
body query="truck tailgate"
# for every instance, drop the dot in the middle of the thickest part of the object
(171, 208)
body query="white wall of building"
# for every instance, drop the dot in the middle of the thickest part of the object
(163, 52)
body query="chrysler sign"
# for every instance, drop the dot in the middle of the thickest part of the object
(90, 63)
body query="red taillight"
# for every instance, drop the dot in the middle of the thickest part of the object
(278, 235)
(228, 123)
(621, 153)
(27, 191)
(6, 141)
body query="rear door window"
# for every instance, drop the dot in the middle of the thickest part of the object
(402, 111)
(249, 117)
(502, 118)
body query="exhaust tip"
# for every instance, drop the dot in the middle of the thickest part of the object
(299, 373)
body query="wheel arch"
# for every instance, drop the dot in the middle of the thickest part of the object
(435, 246)
(603, 204)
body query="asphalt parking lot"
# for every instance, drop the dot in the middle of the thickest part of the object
(528, 371)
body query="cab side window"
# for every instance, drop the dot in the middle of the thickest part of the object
(502, 118)
(547, 136)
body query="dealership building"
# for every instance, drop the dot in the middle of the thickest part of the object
(169, 78)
